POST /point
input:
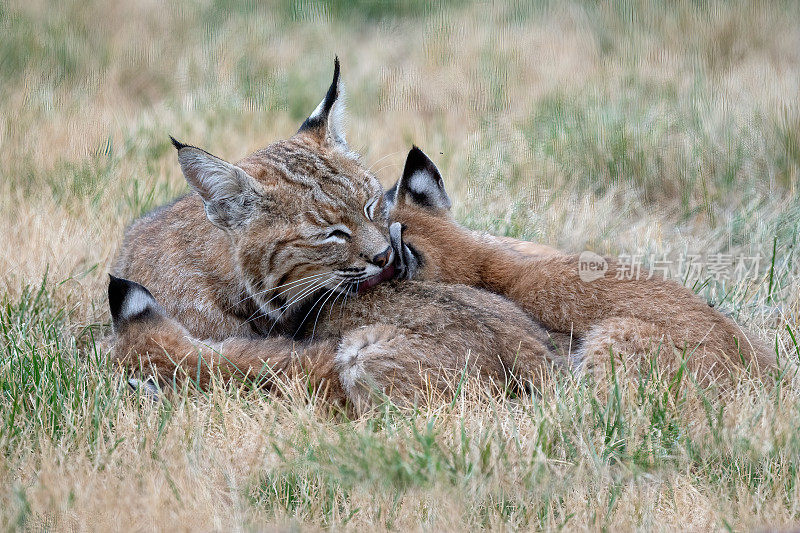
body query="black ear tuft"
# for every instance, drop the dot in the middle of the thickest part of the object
(333, 90)
(176, 143)
(129, 300)
(320, 115)
(421, 183)
(326, 122)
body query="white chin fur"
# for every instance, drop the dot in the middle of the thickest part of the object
(372, 270)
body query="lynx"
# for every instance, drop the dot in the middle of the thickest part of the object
(252, 246)
(639, 315)
(292, 242)
(264, 265)
(390, 337)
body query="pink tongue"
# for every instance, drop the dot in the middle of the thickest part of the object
(384, 275)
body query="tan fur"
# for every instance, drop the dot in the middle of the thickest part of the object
(218, 283)
(393, 340)
(530, 249)
(401, 336)
(608, 313)
(160, 345)
(244, 256)
(229, 262)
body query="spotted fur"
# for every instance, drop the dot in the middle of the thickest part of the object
(274, 244)
(258, 239)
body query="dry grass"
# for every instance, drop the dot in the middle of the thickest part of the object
(642, 127)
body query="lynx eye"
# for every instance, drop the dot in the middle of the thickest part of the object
(369, 209)
(337, 235)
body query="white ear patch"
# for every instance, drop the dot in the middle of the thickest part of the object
(137, 301)
(427, 190)
(147, 388)
(422, 183)
(317, 113)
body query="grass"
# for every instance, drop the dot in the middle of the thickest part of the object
(635, 127)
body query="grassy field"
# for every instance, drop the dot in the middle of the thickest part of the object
(636, 128)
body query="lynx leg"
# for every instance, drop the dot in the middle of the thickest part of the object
(633, 342)
(379, 359)
(145, 338)
(627, 340)
(396, 362)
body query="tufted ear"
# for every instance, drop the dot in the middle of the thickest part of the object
(326, 122)
(228, 192)
(421, 184)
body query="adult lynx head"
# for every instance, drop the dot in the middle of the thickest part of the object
(303, 214)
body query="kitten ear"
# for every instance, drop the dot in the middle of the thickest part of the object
(228, 192)
(129, 301)
(326, 122)
(147, 388)
(421, 184)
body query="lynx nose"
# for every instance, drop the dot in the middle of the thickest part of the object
(382, 259)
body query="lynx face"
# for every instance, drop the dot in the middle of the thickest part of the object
(306, 220)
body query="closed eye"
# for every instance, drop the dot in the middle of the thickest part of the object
(369, 209)
(337, 235)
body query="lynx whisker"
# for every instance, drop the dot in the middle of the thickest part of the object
(263, 305)
(390, 165)
(318, 284)
(295, 287)
(333, 303)
(307, 292)
(322, 306)
(259, 293)
(309, 311)
(384, 157)
(327, 293)
(344, 303)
